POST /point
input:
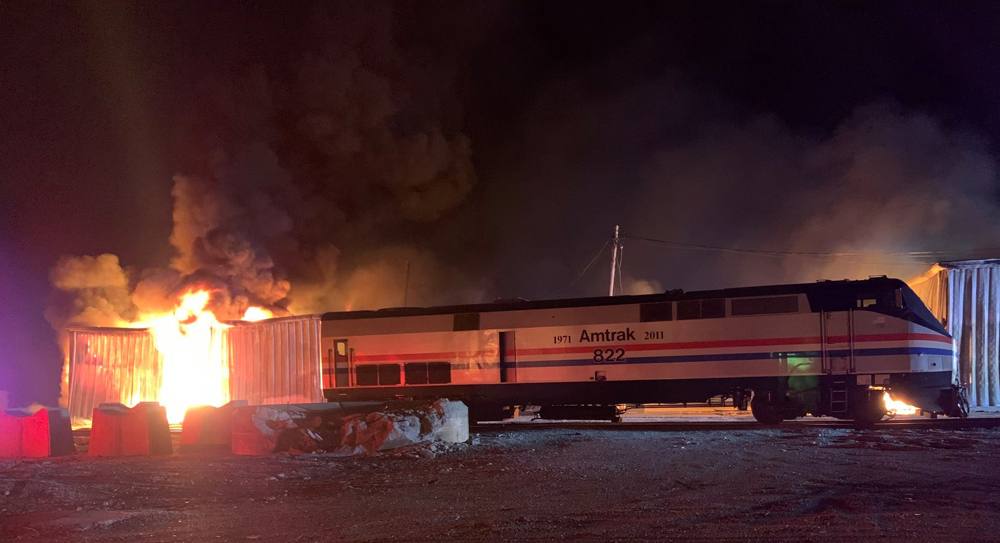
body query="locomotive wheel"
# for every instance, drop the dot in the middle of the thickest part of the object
(960, 403)
(765, 410)
(869, 410)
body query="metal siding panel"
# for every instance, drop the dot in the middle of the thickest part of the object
(293, 343)
(991, 355)
(299, 338)
(270, 359)
(956, 324)
(239, 367)
(972, 294)
(113, 365)
(968, 328)
(276, 361)
(981, 322)
(242, 390)
(281, 358)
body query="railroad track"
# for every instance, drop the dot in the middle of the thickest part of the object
(749, 425)
(706, 426)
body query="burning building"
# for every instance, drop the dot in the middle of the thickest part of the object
(190, 358)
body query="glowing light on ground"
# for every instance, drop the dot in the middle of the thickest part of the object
(255, 314)
(894, 407)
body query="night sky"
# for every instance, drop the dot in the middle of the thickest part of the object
(493, 145)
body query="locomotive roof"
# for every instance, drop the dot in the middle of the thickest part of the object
(817, 290)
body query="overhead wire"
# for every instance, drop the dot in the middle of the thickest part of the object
(582, 273)
(903, 256)
(888, 257)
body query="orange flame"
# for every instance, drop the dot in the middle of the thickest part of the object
(255, 314)
(195, 371)
(895, 407)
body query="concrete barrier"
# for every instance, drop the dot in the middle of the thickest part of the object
(24, 434)
(117, 430)
(208, 427)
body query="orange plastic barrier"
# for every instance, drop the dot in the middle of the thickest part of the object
(209, 427)
(44, 433)
(142, 430)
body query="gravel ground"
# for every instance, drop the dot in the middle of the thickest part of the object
(805, 484)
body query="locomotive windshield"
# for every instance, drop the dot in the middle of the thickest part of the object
(916, 311)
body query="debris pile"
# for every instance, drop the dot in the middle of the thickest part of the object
(347, 430)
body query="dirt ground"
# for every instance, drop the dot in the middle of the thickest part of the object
(799, 484)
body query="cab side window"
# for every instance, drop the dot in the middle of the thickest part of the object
(877, 300)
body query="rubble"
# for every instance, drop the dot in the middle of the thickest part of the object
(263, 429)
(347, 430)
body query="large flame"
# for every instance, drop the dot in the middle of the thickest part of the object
(895, 407)
(195, 371)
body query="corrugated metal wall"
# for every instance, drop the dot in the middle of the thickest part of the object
(111, 365)
(270, 362)
(964, 296)
(275, 361)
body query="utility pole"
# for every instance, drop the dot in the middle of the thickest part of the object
(614, 262)
(406, 284)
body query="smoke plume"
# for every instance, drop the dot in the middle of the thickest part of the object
(313, 187)
(92, 290)
(307, 185)
(666, 160)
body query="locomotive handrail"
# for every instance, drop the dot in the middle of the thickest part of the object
(824, 362)
(850, 341)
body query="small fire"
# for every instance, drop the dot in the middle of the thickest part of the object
(255, 314)
(894, 407)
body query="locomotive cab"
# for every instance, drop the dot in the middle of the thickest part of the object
(876, 337)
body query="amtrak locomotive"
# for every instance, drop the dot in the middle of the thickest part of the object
(829, 348)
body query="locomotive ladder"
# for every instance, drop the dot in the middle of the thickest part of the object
(838, 396)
